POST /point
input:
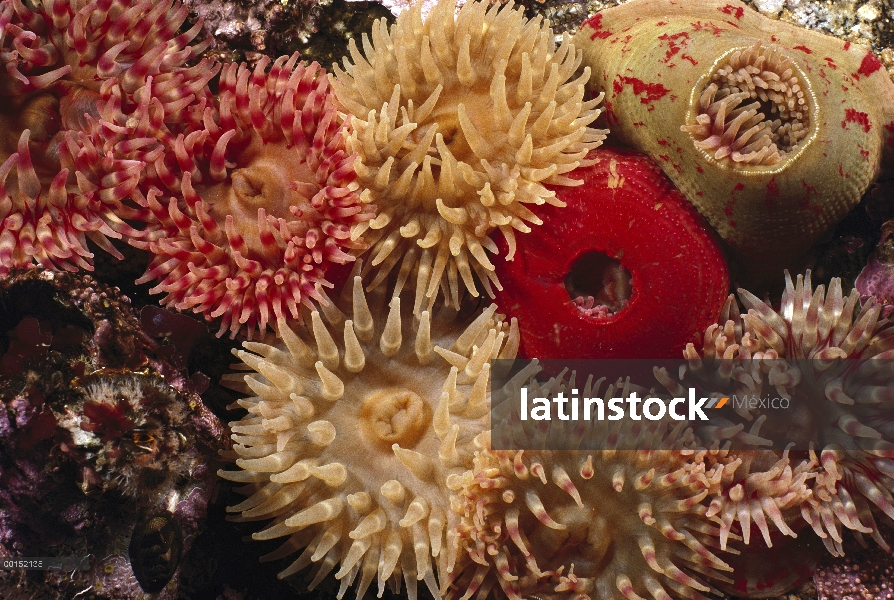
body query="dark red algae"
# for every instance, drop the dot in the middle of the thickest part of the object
(627, 269)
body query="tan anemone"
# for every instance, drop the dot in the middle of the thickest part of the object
(459, 122)
(772, 131)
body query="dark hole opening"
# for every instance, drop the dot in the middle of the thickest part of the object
(598, 284)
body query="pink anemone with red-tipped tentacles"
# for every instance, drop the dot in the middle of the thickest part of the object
(250, 201)
(59, 184)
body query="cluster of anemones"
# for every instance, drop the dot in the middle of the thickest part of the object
(773, 131)
(249, 197)
(59, 186)
(537, 522)
(383, 508)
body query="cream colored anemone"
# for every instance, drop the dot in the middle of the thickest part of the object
(459, 122)
(347, 444)
(573, 525)
(831, 358)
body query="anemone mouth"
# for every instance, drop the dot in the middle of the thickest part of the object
(599, 285)
(395, 416)
(756, 109)
(40, 114)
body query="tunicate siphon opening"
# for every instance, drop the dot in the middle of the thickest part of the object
(599, 285)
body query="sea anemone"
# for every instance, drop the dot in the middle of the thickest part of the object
(755, 498)
(772, 131)
(830, 360)
(570, 541)
(744, 133)
(458, 123)
(347, 446)
(58, 185)
(627, 269)
(262, 194)
(581, 525)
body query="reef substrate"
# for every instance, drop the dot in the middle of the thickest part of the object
(105, 449)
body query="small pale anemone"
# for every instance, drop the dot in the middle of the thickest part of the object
(262, 194)
(129, 427)
(580, 525)
(755, 498)
(771, 126)
(840, 408)
(59, 187)
(347, 444)
(458, 123)
(758, 487)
